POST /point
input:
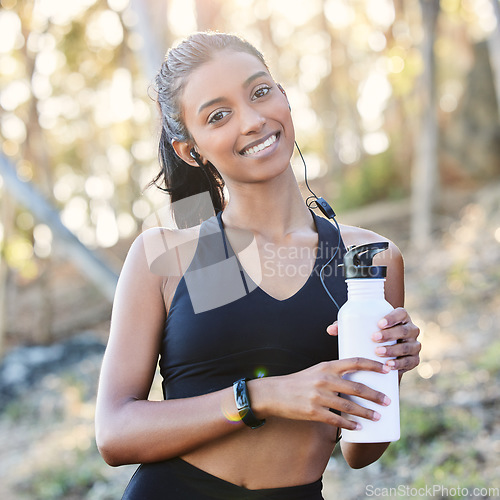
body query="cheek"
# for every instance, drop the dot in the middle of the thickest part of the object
(210, 141)
(220, 144)
(289, 128)
(217, 148)
(285, 117)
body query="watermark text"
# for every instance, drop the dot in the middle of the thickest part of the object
(431, 491)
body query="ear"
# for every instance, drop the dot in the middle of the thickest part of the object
(183, 151)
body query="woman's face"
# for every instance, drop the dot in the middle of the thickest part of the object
(239, 119)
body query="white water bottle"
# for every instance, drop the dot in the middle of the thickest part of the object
(357, 322)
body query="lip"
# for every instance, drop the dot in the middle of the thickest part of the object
(260, 141)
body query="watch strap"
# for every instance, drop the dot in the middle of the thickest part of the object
(243, 404)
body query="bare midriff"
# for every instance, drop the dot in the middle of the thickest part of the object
(279, 454)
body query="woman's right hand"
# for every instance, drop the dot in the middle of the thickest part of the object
(310, 393)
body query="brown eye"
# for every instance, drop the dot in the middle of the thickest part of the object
(261, 92)
(217, 116)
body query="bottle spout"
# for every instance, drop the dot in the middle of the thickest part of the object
(358, 261)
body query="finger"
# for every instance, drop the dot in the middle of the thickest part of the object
(350, 365)
(347, 407)
(406, 332)
(404, 364)
(345, 423)
(359, 390)
(337, 420)
(350, 425)
(395, 317)
(333, 329)
(398, 350)
(321, 410)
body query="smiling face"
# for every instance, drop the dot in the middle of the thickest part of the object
(238, 118)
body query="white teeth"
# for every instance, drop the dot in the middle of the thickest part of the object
(261, 146)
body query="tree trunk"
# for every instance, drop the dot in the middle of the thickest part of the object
(425, 167)
(84, 259)
(7, 216)
(494, 49)
(35, 151)
(151, 25)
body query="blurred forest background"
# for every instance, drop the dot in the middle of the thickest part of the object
(396, 108)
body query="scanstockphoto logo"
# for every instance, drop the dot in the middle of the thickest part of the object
(208, 259)
(432, 491)
(218, 266)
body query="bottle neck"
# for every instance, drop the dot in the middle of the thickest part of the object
(362, 289)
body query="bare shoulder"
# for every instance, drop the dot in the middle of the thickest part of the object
(358, 236)
(164, 251)
(392, 258)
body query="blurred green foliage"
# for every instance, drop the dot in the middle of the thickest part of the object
(375, 179)
(78, 122)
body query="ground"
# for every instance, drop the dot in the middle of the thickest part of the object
(450, 444)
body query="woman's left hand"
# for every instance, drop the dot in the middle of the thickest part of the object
(398, 326)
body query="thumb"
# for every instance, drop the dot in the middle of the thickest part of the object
(333, 329)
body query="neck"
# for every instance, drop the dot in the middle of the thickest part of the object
(273, 209)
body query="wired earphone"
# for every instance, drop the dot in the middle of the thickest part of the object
(323, 206)
(312, 201)
(328, 212)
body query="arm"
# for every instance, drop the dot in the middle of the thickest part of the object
(398, 327)
(129, 428)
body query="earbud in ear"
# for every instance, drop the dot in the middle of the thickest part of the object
(196, 157)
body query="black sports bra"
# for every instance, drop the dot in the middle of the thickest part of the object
(222, 327)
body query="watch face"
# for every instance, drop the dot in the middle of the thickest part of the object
(240, 395)
(243, 405)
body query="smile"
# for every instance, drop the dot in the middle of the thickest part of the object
(260, 147)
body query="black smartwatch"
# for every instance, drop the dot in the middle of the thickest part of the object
(243, 405)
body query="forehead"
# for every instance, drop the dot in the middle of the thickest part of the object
(220, 77)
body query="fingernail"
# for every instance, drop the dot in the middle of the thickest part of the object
(358, 427)
(380, 350)
(391, 363)
(382, 323)
(376, 416)
(387, 401)
(377, 336)
(386, 369)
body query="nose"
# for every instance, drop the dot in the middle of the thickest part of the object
(252, 120)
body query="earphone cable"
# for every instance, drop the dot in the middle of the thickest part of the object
(305, 173)
(309, 204)
(321, 273)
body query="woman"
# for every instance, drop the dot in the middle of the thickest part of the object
(235, 307)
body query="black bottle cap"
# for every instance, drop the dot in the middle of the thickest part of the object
(358, 261)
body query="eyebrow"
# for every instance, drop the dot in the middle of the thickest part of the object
(246, 83)
(249, 80)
